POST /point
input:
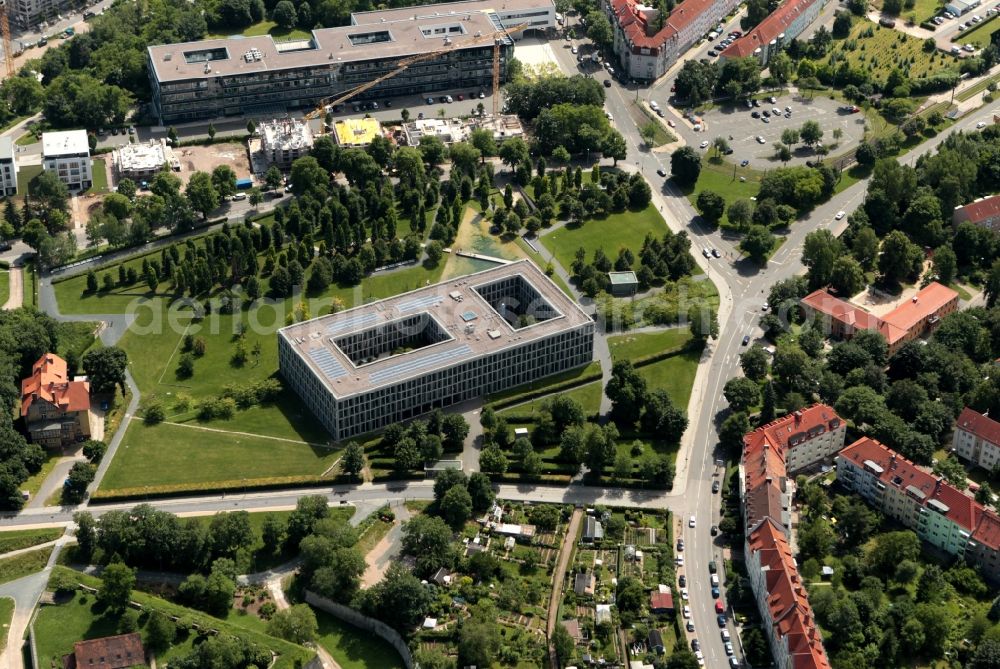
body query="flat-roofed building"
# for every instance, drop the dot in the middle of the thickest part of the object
(8, 167)
(256, 75)
(977, 439)
(356, 131)
(776, 31)
(141, 162)
(67, 154)
(283, 141)
(362, 369)
(984, 212)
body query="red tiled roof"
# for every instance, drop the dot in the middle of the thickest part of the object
(926, 302)
(980, 210)
(110, 652)
(979, 425)
(49, 381)
(901, 473)
(787, 598)
(768, 29)
(661, 601)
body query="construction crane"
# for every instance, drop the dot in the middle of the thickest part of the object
(8, 49)
(497, 38)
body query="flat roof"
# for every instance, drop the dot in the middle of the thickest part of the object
(473, 326)
(232, 56)
(65, 143)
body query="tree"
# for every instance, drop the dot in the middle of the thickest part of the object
(115, 592)
(456, 506)
(811, 133)
(354, 459)
(284, 15)
(563, 644)
(201, 193)
(298, 623)
(754, 362)
(757, 244)
(712, 206)
(741, 393)
(685, 166)
(105, 368)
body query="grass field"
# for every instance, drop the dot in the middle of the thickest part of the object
(640, 345)
(267, 28)
(720, 177)
(169, 457)
(13, 568)
(354, 648)
(627, 229)
(58, 627)
(6, 615)
(17, 539)
(887, 49)
(980, 37)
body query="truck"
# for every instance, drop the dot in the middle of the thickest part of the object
(244, 184)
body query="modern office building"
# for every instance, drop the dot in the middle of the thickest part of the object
(256, 75)
(283, 141)
(939, 513)
(910, 320)
(776, 31)
(8, 167)
(984, 212)
(648, 45)
(67, 153)
(977, 439)
(362, 369)
(141, 162)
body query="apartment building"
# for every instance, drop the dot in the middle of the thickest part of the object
(28, 14)
(67, 154)
(977, 439)
(939, 513)
(647, 45)
(362, 369)
(984, 212)
(257, 76)
(776, 31)
(56, 409)
(782, 599)
(908, 321)
(8, 167)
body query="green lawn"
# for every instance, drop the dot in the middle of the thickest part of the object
(267, 28)
(18, 539)
(674, 374)
(724, 179)
(354, 648)
(163, 458)
(58, 627)
(627, 229)
(643, 344)
(13, 568)
(6, 615)
(887, 49)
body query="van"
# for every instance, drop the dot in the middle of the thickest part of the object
(715, 580)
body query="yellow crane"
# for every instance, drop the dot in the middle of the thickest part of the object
(497, 38)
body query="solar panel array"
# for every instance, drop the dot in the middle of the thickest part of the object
(419, 303)
(435, 359)
(357, 321)
(327, 364)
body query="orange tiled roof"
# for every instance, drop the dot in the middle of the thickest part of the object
(49, 381)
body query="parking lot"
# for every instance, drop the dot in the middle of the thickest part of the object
(738, 126)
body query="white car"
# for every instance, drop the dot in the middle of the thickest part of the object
(840, 214)
(704, 144)
(981, 124)
(691, 521)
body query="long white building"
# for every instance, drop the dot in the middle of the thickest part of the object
(362, 369)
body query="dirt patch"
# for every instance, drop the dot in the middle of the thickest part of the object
(206, 158)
